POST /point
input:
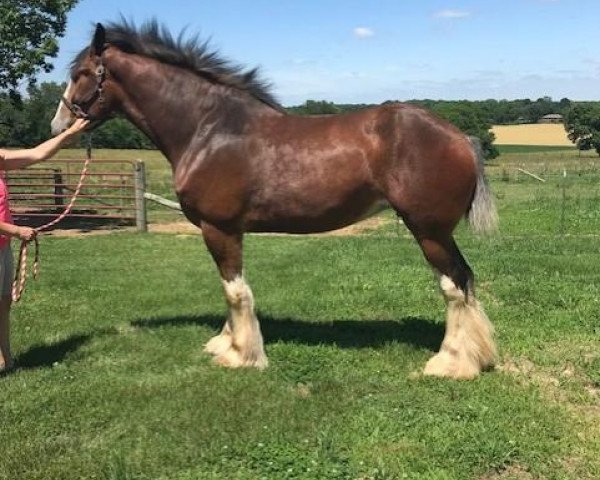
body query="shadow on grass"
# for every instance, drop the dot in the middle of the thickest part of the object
(41, 356)
(45, 356)
(418, 332)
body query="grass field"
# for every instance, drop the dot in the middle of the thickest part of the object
(112, 382)
(519, 149)
(531, 134)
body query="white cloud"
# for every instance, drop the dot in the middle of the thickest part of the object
(451, 13)
(363, 32)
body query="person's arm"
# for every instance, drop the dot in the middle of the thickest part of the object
(15, 159)
(24, 233)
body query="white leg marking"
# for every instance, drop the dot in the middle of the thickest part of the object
(246, 343)
(468, 345)
(63, 116)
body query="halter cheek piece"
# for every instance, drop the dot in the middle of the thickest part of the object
(77, 109)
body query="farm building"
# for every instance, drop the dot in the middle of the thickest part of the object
(551, 118)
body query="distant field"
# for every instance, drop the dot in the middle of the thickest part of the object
(531, 134)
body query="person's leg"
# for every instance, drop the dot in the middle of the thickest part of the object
(6, 361)
(6, 271)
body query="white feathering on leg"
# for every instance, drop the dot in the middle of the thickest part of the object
(468, 345)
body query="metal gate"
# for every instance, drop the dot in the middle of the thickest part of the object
(113, 192)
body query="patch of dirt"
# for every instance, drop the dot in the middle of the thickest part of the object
(527, 370)
(510, 472)
(181, 228)
(593, 390)
(302, 390)
(74, 232)
(359, 228)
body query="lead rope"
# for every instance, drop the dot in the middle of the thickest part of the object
(21, 271)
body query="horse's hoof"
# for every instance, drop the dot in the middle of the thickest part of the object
(443, 364)
(218, 344)
(233, 358)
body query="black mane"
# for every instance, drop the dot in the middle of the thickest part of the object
(155, 41)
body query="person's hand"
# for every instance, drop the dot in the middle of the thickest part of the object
(78, 126)
(26, 233)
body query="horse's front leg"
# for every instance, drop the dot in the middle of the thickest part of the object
(240, 343)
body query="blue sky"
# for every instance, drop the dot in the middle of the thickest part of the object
(355, 51)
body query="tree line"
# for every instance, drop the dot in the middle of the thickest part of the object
(493, 112)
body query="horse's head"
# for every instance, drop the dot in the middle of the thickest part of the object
(90, 92)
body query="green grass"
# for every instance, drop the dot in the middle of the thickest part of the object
(506, 149)
(565, 203)
(113, 383)
(544, 159)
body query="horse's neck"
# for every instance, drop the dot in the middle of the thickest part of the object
(157, 103)
(173, 107)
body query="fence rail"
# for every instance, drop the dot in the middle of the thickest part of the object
(113, 190)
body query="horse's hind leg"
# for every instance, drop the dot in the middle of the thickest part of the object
(468, 346)
(240, 343)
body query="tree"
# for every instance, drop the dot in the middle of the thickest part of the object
(564, 104)
(582, 123)
(120, 133)
(471, 119)
(29, 30)
(12, 120)
(313, 107)
(39, 108)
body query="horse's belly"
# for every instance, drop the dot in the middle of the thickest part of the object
(293, 218)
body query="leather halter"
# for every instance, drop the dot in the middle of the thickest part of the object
(77, 109)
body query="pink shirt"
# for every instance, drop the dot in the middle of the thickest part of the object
(5, 215)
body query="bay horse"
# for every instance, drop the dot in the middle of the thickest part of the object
(241, 164)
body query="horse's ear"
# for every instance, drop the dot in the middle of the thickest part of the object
(98, 41)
